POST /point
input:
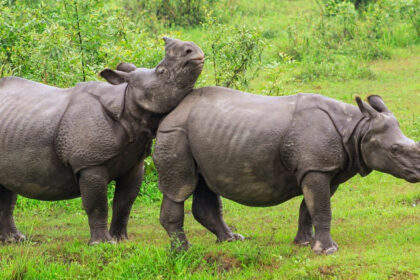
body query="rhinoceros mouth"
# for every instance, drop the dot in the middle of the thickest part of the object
(196, 61)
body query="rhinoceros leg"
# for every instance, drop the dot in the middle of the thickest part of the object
(172, 219)
(126, 191)
(93, 183)
(316, 192)
(304, 235)
(177, 181)
(207, 210)
(8, 230)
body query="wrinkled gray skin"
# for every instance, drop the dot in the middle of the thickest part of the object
(64, 143)
(262, 151)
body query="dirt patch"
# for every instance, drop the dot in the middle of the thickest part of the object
(410, 201)
(403, 275)
(326, 270)
(223, 261)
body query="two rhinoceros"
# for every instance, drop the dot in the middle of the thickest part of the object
(256, 150)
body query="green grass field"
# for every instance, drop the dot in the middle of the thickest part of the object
(376, 219)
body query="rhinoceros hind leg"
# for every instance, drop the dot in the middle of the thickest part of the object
(172, 219)
(93, 184)
(126, 191)
(304, 235)
(207, 210)
(8, 230)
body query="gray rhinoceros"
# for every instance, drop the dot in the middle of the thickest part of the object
(64, 143)
(262, 151)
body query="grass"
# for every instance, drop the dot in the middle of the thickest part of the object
(375, 221)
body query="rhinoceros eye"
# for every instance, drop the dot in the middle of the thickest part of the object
(161, 70)
(395, 148)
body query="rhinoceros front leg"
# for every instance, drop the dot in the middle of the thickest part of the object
(304, 235)
(172, 219)
(207, 210)
(93, 183)
(316, 192)
(126, 191)
(8, 230)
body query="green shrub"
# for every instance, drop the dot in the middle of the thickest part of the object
(341, 40)
(174, 12)
(65, 42)
(233, 52)
(358, 4)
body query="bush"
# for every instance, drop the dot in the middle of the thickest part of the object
(358, 4)
(174, 12)
(329, 45)
(233, 51)
(65, 42)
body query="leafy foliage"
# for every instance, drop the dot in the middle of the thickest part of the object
(175, 12)
(65, 42)
(336, 43)
(233, 56)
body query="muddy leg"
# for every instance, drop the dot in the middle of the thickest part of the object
(126, 191)
(8, 230)
(316, 191)
(172, 219)
(207, 210)
(93, 184)
(304, 235)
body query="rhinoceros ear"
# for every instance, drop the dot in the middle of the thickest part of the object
(126, 67)
(167, 40)
(366, 109)
(378, 104)
(114, 77)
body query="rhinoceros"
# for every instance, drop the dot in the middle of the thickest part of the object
(264, 150)
(60, 144)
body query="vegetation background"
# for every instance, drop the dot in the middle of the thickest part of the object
(274, 47)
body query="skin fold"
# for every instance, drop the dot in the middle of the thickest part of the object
(64, 143)
(262, 151)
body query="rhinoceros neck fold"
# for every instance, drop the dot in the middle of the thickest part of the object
(136, 120)
(355, 155)
(351, 125)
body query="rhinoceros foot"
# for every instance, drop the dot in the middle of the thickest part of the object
(319, 248)
(304, 238)
(119, 235)
(103, 237)
(302, 242)
(11, 237)
(177, 246)
(231, 238)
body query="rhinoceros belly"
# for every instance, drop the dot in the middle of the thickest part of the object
(236, 149)
(29, 117)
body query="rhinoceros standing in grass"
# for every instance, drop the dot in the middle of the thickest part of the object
(262, 151)
(64, 143)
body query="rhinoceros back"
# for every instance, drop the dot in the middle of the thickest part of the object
(29, 116)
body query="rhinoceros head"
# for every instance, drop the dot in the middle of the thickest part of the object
(384, 147)
(159, 90)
